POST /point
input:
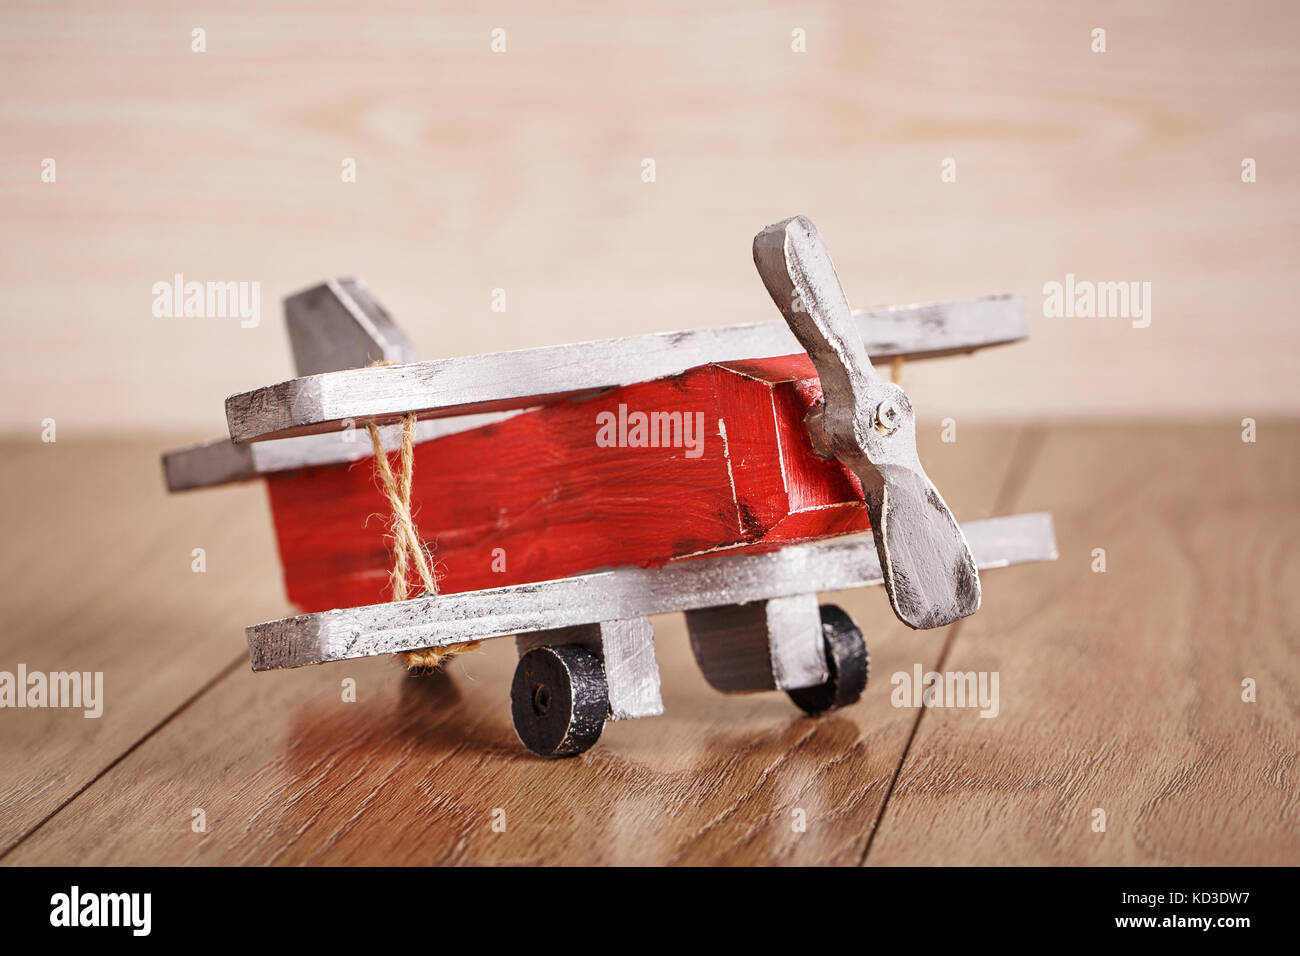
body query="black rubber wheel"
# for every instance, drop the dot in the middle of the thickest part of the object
(559, 700)
(848, 662)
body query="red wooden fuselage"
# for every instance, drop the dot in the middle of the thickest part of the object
(715, 458)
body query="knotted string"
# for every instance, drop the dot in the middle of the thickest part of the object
(408, 549)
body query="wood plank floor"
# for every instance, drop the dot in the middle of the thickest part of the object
(1119, 691)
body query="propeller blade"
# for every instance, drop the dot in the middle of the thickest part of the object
(868, 424)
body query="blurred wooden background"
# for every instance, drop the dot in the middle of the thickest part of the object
(522, 171)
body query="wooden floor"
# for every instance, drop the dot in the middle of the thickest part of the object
(1119, 691)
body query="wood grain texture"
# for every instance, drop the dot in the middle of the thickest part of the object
(287, 772)
(97, 576)
(522, 171)
(1122, 690)
(1118, 690)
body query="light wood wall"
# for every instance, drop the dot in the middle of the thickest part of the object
(522, 171)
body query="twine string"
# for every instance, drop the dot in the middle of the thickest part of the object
(408, 549)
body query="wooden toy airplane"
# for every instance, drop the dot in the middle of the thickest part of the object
(571, 492)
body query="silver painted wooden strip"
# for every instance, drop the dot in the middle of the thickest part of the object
(504, 380)
(623, 593)
(628, 651)
(221, 461)
(631, 670)
(794, 639)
